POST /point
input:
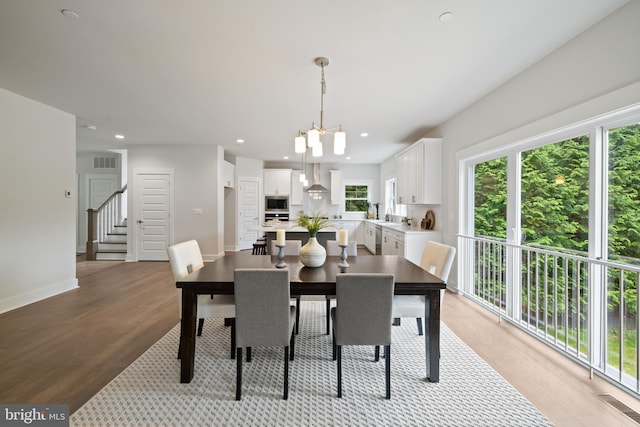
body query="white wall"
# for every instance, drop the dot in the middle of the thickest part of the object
(37, 221)
(197, 185)
(597, 72)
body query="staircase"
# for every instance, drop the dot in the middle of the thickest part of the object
(107, 230)
(114, 244)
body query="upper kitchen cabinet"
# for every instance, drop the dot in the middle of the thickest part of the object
(297, 189)
(277, 182)
(336, 190)
(419, 171)
(228, 174)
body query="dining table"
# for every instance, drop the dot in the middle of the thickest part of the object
(217, 277)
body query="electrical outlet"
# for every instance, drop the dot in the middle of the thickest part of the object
(67, 193)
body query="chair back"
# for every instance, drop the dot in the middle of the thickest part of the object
(185, 258)
(363, 308)
(292, 247)
(437, 259)
(334, 250)
(262, 307)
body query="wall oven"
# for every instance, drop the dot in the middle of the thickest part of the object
(276, 203)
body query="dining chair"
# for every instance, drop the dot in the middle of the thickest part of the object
(334, 250)
(362, 316)
(184, 258)
(437, 259)
(264, 316)
(291, 248)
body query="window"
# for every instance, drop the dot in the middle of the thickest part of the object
(356, 198)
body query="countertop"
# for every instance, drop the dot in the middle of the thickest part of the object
(293, 227)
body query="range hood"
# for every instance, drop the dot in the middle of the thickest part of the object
(316, 187)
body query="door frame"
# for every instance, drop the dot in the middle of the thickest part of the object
(132, 238)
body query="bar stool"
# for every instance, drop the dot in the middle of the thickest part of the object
(259, 248)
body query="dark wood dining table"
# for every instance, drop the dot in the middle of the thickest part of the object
(217, 278)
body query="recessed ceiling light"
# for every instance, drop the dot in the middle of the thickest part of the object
(286, 157)
(70, 14)
(446, 16)
(119, 136)
(364, 134)
(90, 127)
(239, 141)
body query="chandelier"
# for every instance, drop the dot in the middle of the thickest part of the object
(312, 140)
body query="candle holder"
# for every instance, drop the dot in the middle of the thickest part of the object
(343, 257)
(281, 263)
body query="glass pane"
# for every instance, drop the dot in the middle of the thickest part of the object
(490, 220)
(555, 195)
(490, 207)
(623, 246)
(624, 193)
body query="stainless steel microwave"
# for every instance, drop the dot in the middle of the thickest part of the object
(276, 203)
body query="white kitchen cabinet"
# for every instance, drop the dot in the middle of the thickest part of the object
(297, 189)
(419, 172)
(408, 244)
(370, 237)
(277, 182)
(392, 242)
(350, 226)
(336, 190)
(228, 174)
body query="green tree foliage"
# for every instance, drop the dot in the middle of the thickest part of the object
(491, 198)
(555, 195)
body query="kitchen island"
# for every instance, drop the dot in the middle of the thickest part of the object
(295, 232)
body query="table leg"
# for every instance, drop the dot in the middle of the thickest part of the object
(432, 335)
(188, 335)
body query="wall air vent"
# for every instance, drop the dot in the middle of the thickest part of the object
(104, 162)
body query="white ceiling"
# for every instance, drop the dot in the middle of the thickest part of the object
(212, 71)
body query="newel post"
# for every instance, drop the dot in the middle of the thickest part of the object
(92, 234)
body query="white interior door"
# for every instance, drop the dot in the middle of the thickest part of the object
(153, 212)
(248, 211)
(100, 188)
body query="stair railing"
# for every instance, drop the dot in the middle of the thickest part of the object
(101, 221)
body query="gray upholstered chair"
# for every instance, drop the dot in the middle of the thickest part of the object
(264, 316)
(185, 257)
(437, 259)
(362, 316)
(291, 248)
(334, 250)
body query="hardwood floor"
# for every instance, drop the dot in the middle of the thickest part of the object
(66, 348)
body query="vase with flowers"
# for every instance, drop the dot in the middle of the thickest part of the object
(313, 254)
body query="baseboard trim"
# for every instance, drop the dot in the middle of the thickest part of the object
(36, 295)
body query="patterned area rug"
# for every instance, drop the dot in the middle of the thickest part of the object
(149, 392)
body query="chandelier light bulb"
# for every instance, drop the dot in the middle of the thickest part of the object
(316, 151)
(300, 144)
(339, 143)
(313, 138)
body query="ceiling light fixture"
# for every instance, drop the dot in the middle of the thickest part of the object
(70, 14)
(119, 136)
(446, 16)
(313, 135)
